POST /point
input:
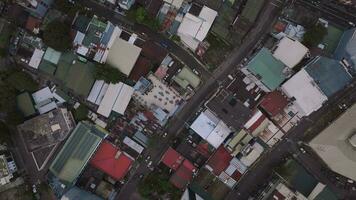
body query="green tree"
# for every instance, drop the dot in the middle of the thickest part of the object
(21, 81)
(140, 15)
(314, 35)
(57, 36)
(108, 74)
(81, 113)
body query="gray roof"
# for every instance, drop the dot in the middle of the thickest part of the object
(76, 193)
(336, 144)
(76, 152)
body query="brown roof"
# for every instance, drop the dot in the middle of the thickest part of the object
(274, 103)
(154, 52)
(32, 23)
(142, 68)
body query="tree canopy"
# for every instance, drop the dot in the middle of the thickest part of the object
(108, 74)
(140, 15)
(314, 35)
(57, 36)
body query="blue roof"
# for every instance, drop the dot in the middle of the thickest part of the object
(107, 34)
(76, 193)
(346, 48)
(329, 74)
(42, 8)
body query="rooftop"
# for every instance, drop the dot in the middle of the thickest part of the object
(328, 74)
(219, 161)
(306, 94)
(47, 129)
(142, 67)
(112, 161)
(338, 150)
(346, 48)
(123, 55)
(172, 159)
(267, 68)
(229, 109)
(154, 52)
(76, 152)
(183, 175)
(187, 77)
(274, 103)
(290, 52)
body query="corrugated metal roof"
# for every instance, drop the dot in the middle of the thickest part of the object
(76, 152)
(269, 69)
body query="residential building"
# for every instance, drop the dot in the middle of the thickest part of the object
(336, 144)
(195, 193)
(126, 4)
(193, 29)
(211, 128)
(42, 134)
(112, 161)
(183, 168)
(46, 99)
(274, 103)
(74, 156)
(76, 193)
(290, 52)
(123, 55)
(117, 97)
(266, 71)
(37, 8)
(304, 93)
(328, 74)
(226, 106)
(7, 168)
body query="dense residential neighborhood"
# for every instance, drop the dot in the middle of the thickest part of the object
(177, 99)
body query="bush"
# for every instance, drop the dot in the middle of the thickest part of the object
(22, 81)
(314, 35)
(176, 38)
(57, 36)
(140, 15)
(108, 74)
(81, 113)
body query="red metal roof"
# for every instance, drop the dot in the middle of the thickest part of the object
(112, 161)
(32, 23)
(220, 160)
(183, 175)
(172, 159)
(274, 103)
(236, 175)
(257, 123)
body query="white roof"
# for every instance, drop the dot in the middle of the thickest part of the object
(336, 144)
(253, 155)
(134, 145)
(82, 50)
(123, 55)
(109, 99)
(42, 95)
(307, 94)
(101, 94)
(194, 29)
(116, 98)
(123, 99)
(205, 124)
(218, 135)
(95, 91)
(175, 3)
(48, 107)
(36, 58)
(290, 52)
(79, 37)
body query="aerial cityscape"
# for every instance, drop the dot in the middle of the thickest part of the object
(177, 100)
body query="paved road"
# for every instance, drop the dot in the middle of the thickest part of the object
(258, 175)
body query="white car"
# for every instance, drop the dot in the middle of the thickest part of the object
(302, 150)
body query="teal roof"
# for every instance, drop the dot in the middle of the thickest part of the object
(346, 48)
(76, 152)
(328, 74)
(52, 55)
(268, 69)
(94, 32)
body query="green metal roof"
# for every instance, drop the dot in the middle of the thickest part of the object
(186, 77)
(76, 152)
(25, 104)
(267, 68)
(47, 67)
